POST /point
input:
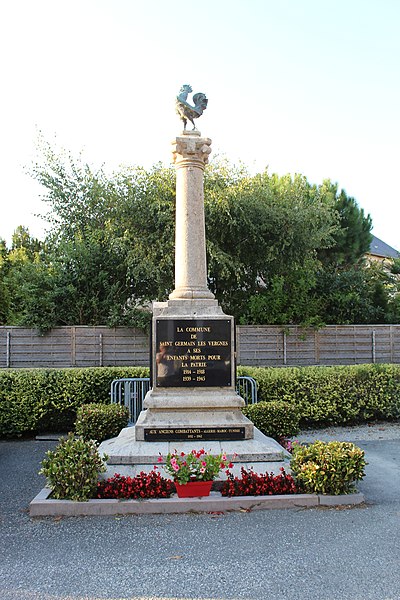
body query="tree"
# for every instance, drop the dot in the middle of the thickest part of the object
(111, 238)
(21, 238)
(353, 238)
(351, 296)
(4, 292)
(25, 285)
(263, 233)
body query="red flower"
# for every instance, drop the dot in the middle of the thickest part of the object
(253, 484)
(144, 485)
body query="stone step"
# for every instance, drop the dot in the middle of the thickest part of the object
(129, 457)
(126, 450)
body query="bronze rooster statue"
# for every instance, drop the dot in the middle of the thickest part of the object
(186, 111)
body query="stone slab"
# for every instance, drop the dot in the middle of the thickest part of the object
(196, 417)
(126, 450)
(343, 500)
(49, 437)
(42, 505)
(193, 308)
(194, 400)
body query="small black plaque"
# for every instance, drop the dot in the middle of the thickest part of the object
(193, 353)
(194, 434)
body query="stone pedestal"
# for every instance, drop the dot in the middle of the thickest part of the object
(193, 394)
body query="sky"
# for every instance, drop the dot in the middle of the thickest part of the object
(298, 86)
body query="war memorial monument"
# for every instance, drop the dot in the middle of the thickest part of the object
(192, 402)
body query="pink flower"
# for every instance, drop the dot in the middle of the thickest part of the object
(203, 463)
(202, 470)
(224, 457)
(175, 467)
(160, 458)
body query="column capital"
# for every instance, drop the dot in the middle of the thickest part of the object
(191, 148)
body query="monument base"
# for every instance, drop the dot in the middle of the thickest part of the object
(129, 457)
(193, 414)
(193, 395)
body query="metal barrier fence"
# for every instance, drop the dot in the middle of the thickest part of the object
(131, 392)
(246, 387)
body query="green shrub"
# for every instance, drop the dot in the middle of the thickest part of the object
(37, 400)
(333, 395)
(275, 419)
(73, 468)
(327, 467)
(101, 421)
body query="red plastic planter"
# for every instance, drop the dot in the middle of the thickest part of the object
(193, 489)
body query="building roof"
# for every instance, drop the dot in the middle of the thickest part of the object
(379, 248)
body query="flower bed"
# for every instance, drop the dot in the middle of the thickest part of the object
(144, 485)
(324, 468)
(254, 484)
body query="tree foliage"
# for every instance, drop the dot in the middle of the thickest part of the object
(353, 237)
(279, 250)
(261, 229)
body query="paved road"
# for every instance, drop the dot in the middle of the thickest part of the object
(308, 554)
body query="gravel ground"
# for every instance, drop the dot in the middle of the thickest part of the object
(307, 554)
(381, 430)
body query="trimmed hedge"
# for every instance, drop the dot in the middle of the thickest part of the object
(100, 422)
(37, 400)
(275, 419)
(333, 395)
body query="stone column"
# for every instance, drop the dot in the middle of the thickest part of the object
(190, 155)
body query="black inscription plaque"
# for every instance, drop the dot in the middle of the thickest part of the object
(193, 353)
(194, 433)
